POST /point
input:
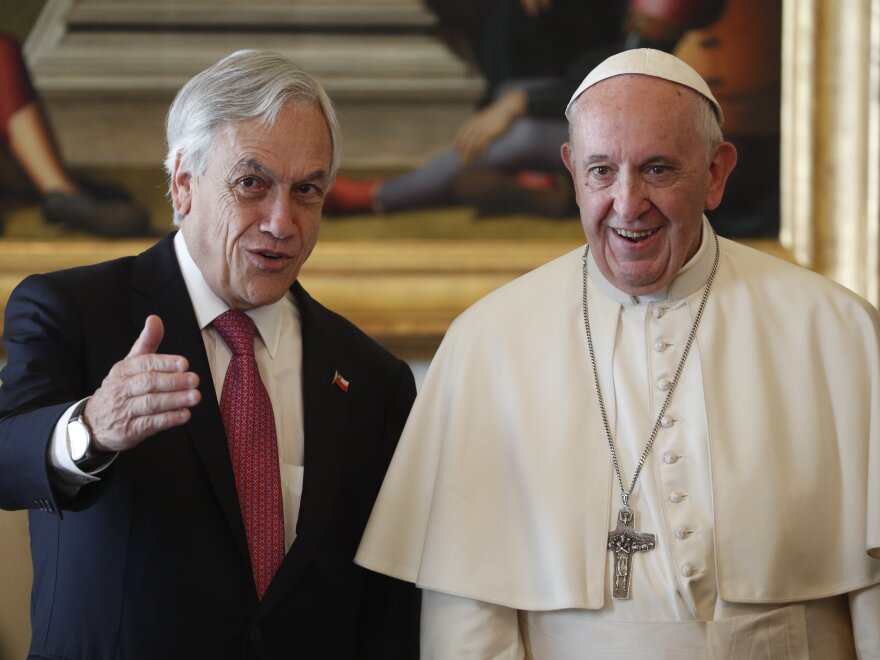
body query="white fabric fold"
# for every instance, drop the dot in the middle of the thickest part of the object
(499, 489)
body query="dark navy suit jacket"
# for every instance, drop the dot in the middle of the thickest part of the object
(152, 562)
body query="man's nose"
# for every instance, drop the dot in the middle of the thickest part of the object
(280, 217)
(630, 197)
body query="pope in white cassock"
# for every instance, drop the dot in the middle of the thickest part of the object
(665, 445)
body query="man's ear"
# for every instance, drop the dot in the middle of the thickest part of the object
(181, 186)
(720, 167)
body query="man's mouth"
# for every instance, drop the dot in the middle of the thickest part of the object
(270, 254)
(635, 236)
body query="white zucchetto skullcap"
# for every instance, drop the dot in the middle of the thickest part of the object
(647, 62)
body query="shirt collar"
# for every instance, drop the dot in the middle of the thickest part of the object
(208, 306)
(693, 275)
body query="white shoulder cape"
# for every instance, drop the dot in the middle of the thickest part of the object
(499, 487)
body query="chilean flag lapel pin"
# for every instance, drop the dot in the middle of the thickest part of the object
(340, 382)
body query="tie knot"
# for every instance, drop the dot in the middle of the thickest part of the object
(237, 330)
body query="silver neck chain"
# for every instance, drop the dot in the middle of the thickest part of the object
(624, 493)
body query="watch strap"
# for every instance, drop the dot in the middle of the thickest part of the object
(93, 460)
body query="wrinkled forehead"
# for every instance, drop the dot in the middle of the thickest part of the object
(639, 116)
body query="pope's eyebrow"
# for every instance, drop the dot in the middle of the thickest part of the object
(657, 158)
(650, 160)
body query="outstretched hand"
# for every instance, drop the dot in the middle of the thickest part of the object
(143, 394)
(490, 123)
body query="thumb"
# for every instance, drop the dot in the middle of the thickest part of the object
(150, 337)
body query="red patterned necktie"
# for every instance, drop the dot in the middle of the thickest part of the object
(253, 448)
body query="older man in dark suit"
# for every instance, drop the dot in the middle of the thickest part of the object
(198, 440)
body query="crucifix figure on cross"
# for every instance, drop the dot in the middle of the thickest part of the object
(623, 542)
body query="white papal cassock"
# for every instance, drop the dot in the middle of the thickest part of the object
(763, 485)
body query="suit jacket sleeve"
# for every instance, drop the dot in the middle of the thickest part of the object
(43, 377)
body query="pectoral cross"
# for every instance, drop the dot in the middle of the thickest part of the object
(623, 542)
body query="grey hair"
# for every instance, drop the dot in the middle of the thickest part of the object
(708, 124)
(248, 84)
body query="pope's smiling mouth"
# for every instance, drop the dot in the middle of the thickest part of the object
(635, 236)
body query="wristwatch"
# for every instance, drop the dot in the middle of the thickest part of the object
(79, 441)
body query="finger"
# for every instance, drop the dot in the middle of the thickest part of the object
(152, 424)
(157, 381)
(157, 403)
(150, 337)
(153, 362)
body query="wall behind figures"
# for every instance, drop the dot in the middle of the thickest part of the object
(15, 578)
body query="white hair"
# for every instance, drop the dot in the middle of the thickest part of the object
(248, 84)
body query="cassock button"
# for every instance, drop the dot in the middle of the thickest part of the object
(676, 496)
(689, 571)
(666, 421)
(658, 312)
(669, 458)
(663, 384)
(682, 533)
(660, 345)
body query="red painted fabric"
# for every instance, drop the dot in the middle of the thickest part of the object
(16, 90)
(253, 448)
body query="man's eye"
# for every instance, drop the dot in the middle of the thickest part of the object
(250, 183)
(600, 170)
(658, 170)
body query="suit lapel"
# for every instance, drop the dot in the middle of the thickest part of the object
(158, 288)
(325, 413)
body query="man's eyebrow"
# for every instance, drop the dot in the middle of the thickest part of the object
(248, 165)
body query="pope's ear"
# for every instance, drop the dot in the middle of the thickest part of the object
(720, 167)
(568, 158)
(181, 186)
(566, 153)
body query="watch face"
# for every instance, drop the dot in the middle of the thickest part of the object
(79, 438)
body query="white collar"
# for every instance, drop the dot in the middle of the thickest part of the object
(693, 275)
(208, 306)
